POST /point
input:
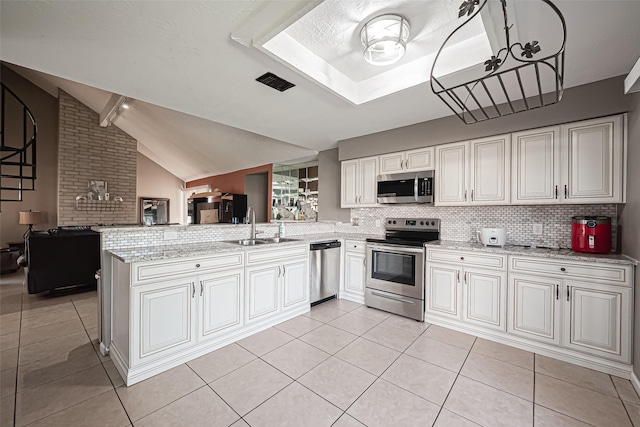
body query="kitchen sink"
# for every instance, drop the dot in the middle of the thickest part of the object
(278, 240)
(253, 242)
(247, 242)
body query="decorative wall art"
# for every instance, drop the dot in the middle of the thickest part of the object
(97, 190)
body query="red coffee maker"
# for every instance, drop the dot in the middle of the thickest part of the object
(591, 234)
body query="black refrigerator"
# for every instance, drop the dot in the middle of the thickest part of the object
(231, 208)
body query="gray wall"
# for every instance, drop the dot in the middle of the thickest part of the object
(45, 197)
(329, 188)
(629, 219)
(256, 187)
(597, 99)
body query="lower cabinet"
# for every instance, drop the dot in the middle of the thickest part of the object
(588, 315)
(355, 270)
(534, 307)
(160, 320)
(164, 322)
(466, 293)
(274, 287)
(221, 303)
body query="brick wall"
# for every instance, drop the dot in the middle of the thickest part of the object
(86, 152)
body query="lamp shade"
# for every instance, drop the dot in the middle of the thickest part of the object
(30, 217)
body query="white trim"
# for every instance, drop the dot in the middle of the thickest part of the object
(635, 382)
(352, 297)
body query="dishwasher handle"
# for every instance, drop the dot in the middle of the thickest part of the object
(325, 245)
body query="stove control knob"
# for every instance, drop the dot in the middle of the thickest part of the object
(389, 222)
(422, 223)
(433, 223)
(394, 222)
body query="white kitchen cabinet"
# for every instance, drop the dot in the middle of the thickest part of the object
(593, 158)
(295, 282)
(591, 304)
(274, 286)
(168, 312)
(443, 290)
(474, 173)
(534, 307)
(452, 165)
(408, 161)
(484, 293)
(581, 162)
(355, 270)
(359, 182)
(163, 322)
(262, 291)
(221, 303)
(536, 166)
(465, 291)
(596, 319)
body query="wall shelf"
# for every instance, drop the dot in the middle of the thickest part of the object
(98, 205)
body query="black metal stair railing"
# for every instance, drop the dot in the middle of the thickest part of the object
(18, 131)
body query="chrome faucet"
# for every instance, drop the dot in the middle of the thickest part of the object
(251, 216)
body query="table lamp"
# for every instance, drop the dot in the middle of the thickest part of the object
(30, 218)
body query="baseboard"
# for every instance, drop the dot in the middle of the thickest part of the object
(351, 297)
(635, 382)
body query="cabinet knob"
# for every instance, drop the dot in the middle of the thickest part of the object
(461, 258)
(197, 265)
(563, 269)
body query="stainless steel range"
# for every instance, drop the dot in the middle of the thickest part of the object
(395, 266)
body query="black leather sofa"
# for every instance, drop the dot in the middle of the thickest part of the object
(61, 259)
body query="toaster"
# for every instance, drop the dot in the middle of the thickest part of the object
(493, 236)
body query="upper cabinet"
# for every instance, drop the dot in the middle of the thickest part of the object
(576, 163)
(359, 182)
(407, 161)
(473, 173)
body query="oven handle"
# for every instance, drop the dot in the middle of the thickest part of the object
(406, 301)
(396, 249)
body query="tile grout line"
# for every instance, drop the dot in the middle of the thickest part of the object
(454, 384)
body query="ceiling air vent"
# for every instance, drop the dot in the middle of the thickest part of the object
(275, 82)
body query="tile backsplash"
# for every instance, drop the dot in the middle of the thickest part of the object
(461, 223)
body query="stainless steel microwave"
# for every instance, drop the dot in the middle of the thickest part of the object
(406, 187)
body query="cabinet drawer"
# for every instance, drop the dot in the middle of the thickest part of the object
(468, 258)
(355, 245)
(164, 269)
(257, 256)
(572, 269)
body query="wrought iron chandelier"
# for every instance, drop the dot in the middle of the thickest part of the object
(516, 78)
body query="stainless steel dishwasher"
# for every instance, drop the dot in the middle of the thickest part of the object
(325, 270)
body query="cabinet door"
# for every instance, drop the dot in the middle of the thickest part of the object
(164, 322)
(419, 160)
(536, 166)
(451, 171)
(391, 163)
(349, 183)
(221, 303)
(295, 283)
(597, 320)
(368, 182)
(485, 297)
(593, 151)
(262, 291)
(443, 295)
(354, 272)
(534, 307)
(490, 174)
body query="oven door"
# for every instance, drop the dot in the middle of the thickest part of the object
(396, 269)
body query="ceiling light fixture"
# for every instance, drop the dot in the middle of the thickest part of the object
(385, 39)
(514, 79)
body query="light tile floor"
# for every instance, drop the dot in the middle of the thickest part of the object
(342, 365)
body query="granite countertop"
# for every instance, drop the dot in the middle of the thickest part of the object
(156, 253)
(566, 254)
